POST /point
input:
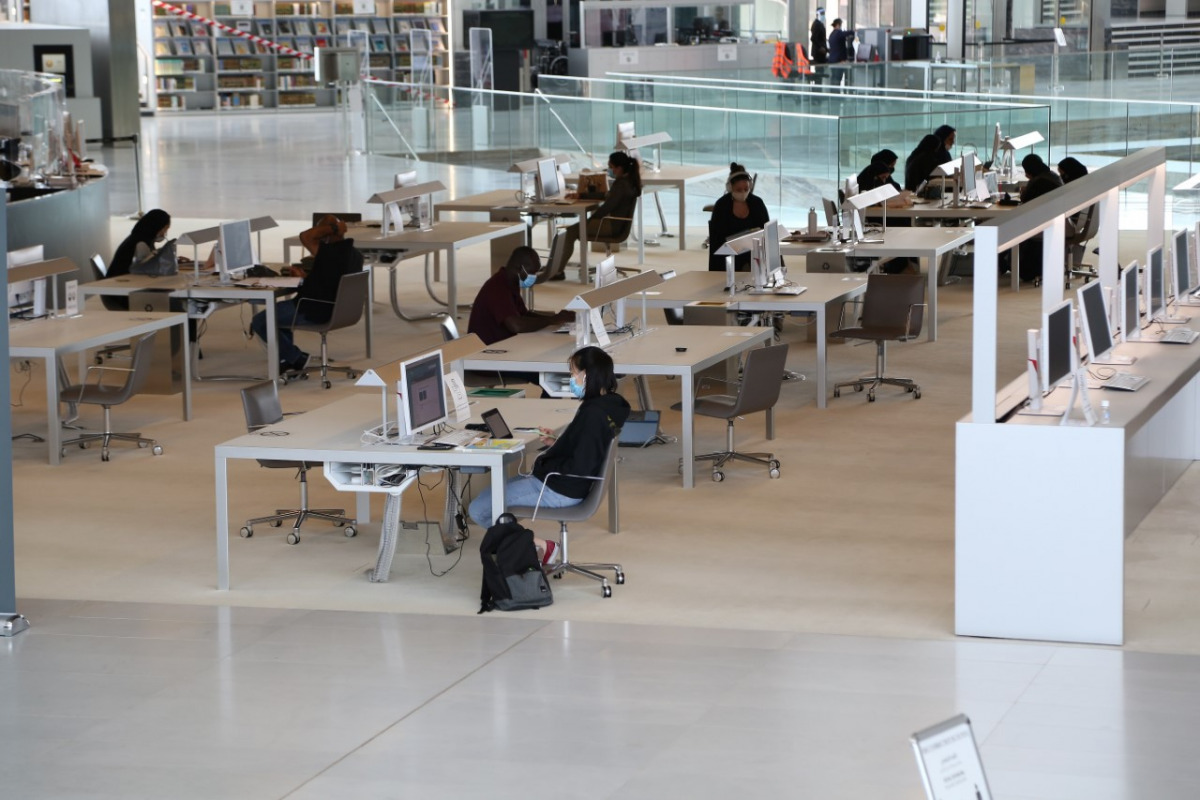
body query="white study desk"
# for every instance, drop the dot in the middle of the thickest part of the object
(673, 177)
(929, 244)
(182, 286)
(679, 350)
(50, 339)
(824, 293)
(334, 433)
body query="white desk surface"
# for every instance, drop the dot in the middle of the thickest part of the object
(48, 339)
(484, 201)
(823, 294)
(934, 210)
(653, 353)
(334, 433)
(671, 176)
(927, 243)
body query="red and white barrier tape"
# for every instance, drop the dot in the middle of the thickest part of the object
(182, 12)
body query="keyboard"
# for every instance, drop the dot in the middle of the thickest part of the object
(1126, 382)
(456, 438)
(979, 205)
(1180, 336)
(781, 290)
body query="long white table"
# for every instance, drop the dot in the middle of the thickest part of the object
(824, 293)
(672, 176)
(928, 244)
(50, 339)
(679, 350)
(333, 433)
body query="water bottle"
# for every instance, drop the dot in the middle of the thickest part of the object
(812, 220)
(1105, 417)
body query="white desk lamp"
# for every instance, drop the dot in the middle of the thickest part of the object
(391, 200)
(864, 200)
(1010, 144)
(654, 140)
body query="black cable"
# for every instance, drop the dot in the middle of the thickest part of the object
(421, 487)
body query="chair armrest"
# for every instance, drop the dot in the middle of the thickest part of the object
(549, 475)
(856, 301)
(300, 303)
(908, 320)
(99, 370)
(604, 220)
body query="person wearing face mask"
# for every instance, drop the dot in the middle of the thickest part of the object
(499, 311)
(579, 450)
(737, 211)
(333, 256)
(820, 43)
(625, 187)
(139, 244)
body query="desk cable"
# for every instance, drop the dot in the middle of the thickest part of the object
(26, 366)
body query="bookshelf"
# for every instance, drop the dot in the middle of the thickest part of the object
(203, 68)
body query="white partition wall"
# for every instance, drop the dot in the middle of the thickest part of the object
(1042, 510)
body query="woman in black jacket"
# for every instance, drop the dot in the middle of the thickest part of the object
(737, 211)
(140, 242)
(579, 450)
(620, 201)
(921, 162)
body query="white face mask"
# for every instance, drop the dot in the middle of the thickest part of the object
(741, 196)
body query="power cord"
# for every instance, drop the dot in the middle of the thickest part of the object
(421, 489)
(24, 365)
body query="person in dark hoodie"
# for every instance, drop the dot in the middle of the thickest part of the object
(147, 232)
(579, 450)
(921, 162)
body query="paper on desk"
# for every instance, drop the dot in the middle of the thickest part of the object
(597, 322)
(458, 393)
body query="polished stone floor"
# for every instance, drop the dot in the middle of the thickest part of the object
(196, 698)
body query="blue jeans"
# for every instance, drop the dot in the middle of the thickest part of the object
(521, 491)
(285, 316)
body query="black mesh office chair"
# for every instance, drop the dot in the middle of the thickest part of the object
(107, 396)
(347, 311)
(758, 390)
(260, 404)
(601, 484)
(892, 310)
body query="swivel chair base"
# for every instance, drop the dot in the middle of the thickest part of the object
(587, 570)
(335, 515)
(107, 437)
(878, 379)
(723, 457)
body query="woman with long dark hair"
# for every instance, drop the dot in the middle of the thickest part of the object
(620, 201)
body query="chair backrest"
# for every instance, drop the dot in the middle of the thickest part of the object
(449, 328)
(351, 300)
(260, 404)
(614, 230)
(1091, 223)
(141, 361)
(762, 378)
(99, 270)
(889, 301)
(556, 262)
(596, 494)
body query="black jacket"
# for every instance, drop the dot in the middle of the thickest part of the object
(723, 226)
(582, 447)
(332, 261)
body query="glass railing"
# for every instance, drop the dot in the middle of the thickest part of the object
(32, 106)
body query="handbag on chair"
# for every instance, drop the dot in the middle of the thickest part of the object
(162, 261)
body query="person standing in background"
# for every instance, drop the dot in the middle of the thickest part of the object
(820, 44)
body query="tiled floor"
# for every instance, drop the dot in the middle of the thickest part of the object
(685, 685)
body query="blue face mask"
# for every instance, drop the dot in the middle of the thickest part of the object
(528, 281)
(612, 173)
(576, 389)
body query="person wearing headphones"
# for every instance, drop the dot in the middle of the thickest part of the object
(499, 311)
(737, 211)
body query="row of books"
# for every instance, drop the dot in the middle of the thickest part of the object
(171, 28)
(179, 66)
(176, 84)
(182, 47)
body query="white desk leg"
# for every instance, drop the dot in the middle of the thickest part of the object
(272, 342)
(370, 305)
(682, 218)
(822, 359)
(222, 524)
(187, 372)
(53, 421)
(641, 234)
(931, 270)
(688, 429)
(497, 475)
(451, 281)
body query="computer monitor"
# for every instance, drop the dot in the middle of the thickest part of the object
(237, 249)
(993, 185)
(831, 212)
(771, 257)
(408, 178)
(548, 185)
(625, 130)
(1058, 345)
(1156, 284)
(968, 176)
(1181, 252)
(1131, 310)
(606, 272)
(423, 390)
(1095, 320)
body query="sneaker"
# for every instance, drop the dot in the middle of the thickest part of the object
(295, 366)
(553, 555)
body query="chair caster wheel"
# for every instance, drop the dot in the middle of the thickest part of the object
(84, 445)
(326, 384)
(606, 591)
(293, 538)
(621, 578)
(773, 472)
(916, 394)
(246, 531)
(837, 392)
(158, 451)
(275, 523)
(871, 397)
(350, 532)
(104, 456)
(858, 388)
(718, 476)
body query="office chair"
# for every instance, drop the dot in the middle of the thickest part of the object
(98, 394)
(347, 311)
(260, 404)
(601, 484)
(758, 390)
(556, 264)
(1076, 242)
(892, 310)
(612, 231)
(100, 272)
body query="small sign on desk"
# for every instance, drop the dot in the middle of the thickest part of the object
(727, 52)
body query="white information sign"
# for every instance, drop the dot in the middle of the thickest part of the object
(727, 52)
(949, 761)
(241, 8)
(364, 6)
(458, 395)
(627, 56)
(71, 289)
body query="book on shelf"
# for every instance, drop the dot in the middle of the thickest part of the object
(435, 25)
(343, 8)
(302, 28)
(379, 25)
(285, 27)
(285, 8)
(304, 44)
(322, 41)
(321, 26)
(162, 28)
(403, 26)
(242, 47)
(243, 25)
(164, 48)
(266, 27)
(343, 26)
(224, 47)
(287, 42)
(183, 47)
(363, 25)
(200, 47)
(379, 44)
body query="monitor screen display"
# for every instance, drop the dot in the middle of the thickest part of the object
(424, 401)
(1058, 345)
(237, 247)
(968, 176)
(1131, 317)
(406, 179)
(996, 138)
(606, 272)
(1183, 264)
(771, 257)
(547, 178)
(993, 186)
(1156, 284)
(1095, 320)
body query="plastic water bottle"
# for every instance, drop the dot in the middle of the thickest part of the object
(812, 220)
(1105, 417)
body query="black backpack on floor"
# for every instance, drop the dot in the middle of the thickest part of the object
(512, 574)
